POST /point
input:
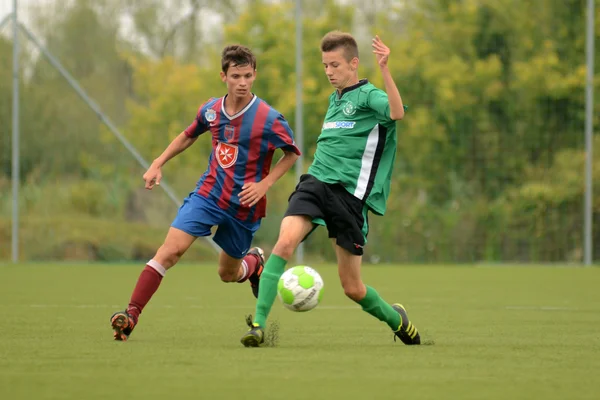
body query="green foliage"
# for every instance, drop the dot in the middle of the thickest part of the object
(77, 237)
(168, 96)
(490, 155)
(271, 35)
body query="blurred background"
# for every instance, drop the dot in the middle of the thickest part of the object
(491, 164)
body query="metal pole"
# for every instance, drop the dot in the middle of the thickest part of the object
(589, 107)
(299, 110)
(15, 138)
(167, 188)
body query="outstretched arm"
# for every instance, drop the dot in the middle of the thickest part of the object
(179, 144)
(153, 175)
(382, 53)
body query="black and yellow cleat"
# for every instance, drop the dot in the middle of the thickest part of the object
(406, 332)
(255, 335)
(255, 277)
(122, 325)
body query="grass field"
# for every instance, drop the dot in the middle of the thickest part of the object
(499, 332)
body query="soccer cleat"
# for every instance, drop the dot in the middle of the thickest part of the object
(122, 324)
(255, 335)
(255, 277)
(406, 332)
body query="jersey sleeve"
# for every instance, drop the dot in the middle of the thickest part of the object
(282, 136)
(378, 102)
(200, 124)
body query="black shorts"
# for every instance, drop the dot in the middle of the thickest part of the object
(333, 206)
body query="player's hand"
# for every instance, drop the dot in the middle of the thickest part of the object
(252, 192)
(152, 177)
(381, 51)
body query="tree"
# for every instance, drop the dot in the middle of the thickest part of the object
(269, 29)
(85, 39)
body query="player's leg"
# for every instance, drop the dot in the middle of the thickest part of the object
(240, 269)
(349, 226)
(292, 231)
(236, 262)
(394, 316)
(175, 245)
(183, 232)
(305, 204)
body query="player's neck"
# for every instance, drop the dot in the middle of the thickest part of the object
(235, 104)
(353, 81)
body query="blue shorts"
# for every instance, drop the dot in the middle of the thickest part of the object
(197, 215)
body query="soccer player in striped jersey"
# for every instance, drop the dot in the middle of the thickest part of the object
(350, 176)
(245, 132)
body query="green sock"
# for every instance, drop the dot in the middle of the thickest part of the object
(267, 291)
(377, 307)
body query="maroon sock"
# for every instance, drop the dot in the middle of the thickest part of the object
(147, 284)
(252, 261)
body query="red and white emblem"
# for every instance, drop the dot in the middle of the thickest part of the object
(226, 154)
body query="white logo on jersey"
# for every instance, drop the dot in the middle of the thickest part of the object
(349, 108)
(339, 125)
(226, 154)
(210, 115)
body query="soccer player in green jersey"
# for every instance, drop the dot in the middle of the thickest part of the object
(349, 177)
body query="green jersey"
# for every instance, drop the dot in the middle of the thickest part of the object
(357, 145)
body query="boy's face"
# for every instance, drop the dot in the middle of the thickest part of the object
(338, 70)
(239, 80)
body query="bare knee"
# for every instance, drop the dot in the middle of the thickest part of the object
(176, 243)
(285, 247)
(356, 291)
(169, 254)
(229, 268)
(349, 271)
(293, 230)
(228, 275)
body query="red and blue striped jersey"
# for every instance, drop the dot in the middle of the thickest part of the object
(242, 150)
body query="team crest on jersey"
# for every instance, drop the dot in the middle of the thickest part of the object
(229, 133)
(226, 154)
(210, 115)
(349, 108)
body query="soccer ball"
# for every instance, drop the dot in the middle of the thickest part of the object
(300, 288)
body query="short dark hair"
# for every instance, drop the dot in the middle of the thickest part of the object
(337, 39)
(237, 55)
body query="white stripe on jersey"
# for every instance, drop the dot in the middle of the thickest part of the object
(367, 163)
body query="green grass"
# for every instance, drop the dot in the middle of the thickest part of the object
(500, 333)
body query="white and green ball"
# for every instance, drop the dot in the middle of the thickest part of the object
(300, 288)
